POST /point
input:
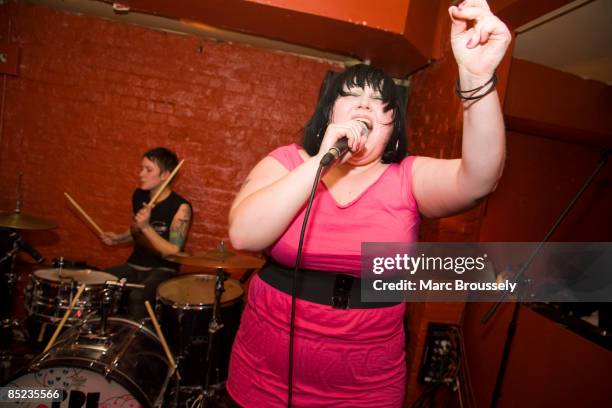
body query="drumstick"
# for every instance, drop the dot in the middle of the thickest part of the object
(161, 336)
(84, 214)
(156, 196)
(61, 325)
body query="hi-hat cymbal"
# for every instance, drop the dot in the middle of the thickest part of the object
(19, 220)
(217, 259)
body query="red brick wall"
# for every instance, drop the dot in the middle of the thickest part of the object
(92, 95)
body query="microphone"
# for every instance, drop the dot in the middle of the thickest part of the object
(24, 246)
(341, 146)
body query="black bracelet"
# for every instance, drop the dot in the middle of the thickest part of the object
(492, 82)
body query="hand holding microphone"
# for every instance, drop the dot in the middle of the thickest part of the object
(341, 147)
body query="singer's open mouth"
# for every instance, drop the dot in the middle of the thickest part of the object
(364, 120)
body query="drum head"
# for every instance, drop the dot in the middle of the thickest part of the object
(79, 363)
(80, 385)
(197, 290)
(87, 276)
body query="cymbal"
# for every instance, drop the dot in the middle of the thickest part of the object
(19, 220)
(217, 259)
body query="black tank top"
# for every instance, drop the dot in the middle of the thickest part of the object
(161, 219)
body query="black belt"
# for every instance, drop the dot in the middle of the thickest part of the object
(337, 290)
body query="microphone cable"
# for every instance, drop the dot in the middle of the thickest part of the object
(294, 283)
(338, 150)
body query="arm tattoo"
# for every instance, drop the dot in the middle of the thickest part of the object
(180, 226)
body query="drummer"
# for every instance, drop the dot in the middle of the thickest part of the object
(156, 231)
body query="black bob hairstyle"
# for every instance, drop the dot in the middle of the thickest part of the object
(359, 76)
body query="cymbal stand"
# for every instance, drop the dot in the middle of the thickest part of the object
(11, 254)
(10, 276)
(214, 325)
(8, 324)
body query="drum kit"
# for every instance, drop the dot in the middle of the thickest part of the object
(103, 359)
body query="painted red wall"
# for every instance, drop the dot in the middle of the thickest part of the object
(557, 126)
(541, 176)
(93, 95)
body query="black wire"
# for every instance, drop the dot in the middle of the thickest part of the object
(426, 396)
(448, 368)
(294, 284)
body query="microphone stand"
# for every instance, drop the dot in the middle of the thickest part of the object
(513, 320)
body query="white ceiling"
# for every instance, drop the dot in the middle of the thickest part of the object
(576, 38)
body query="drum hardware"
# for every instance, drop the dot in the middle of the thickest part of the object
(73, 287)
(16, 244)
(70, 264)
(9, 279)
(113, 290)
(6, 330)
(117, 289)
(22, 245)
(66, 315)
(217, 258)
(9, 255)
(185, 307)
(9, 223)
(105, 305)
(13, 242)
(214, 326)
(107, 301)
(51, 291)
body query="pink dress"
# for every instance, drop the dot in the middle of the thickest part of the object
(342, 358)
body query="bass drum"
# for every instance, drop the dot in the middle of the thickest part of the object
(125, 368)
(184, 309)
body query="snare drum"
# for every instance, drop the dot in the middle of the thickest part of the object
(49, 295)
(184, 308)
(125, 368)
